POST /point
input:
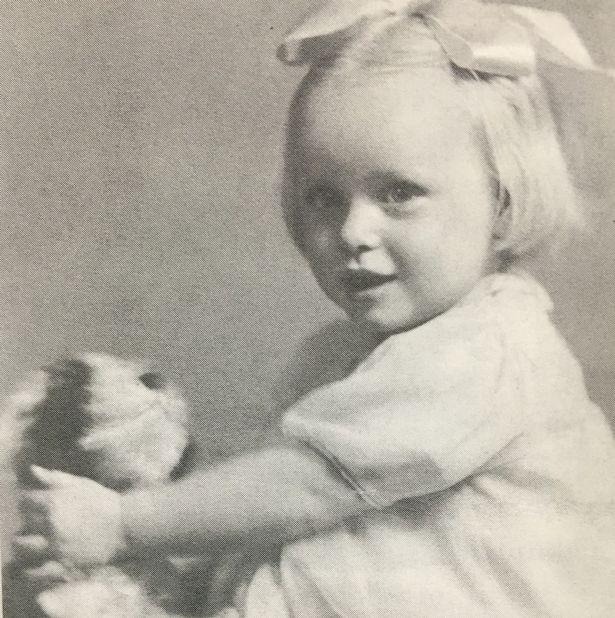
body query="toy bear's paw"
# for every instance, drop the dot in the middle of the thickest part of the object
(108, 593)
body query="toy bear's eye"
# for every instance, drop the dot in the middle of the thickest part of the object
(152, 380)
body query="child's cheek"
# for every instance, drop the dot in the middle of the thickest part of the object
(320, 242)
(416, 241)
(324, 241)
(320, 251)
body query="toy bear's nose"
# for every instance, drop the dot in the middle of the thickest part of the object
(152, 380)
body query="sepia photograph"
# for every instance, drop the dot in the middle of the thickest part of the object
(307, 309)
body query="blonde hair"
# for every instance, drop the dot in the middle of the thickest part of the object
(537, 203)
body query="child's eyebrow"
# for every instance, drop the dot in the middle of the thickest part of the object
(414, 177)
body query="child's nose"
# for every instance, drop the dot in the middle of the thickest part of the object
(360, 229)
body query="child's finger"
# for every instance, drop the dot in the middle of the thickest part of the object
(51, 571)
(30, 547)
(67, 601)
(33, 508)
(33, 501)
(52, 478)
(30, 551)
(52, 603)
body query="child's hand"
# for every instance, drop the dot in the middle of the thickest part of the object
(74, 520)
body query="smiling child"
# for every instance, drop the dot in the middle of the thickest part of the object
(459, 469)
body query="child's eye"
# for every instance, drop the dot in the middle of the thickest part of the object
(324, 197)
(398, 193)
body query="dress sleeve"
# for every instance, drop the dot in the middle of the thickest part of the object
(427, 409)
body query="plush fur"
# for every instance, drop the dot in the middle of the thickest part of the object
(120, 424)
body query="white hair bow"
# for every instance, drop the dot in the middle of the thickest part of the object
(488, 38)
(497, 39)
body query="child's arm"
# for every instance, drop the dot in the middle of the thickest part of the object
(271, 496)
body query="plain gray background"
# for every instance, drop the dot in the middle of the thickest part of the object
(139, 179)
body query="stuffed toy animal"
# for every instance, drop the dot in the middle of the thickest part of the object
(123, 426)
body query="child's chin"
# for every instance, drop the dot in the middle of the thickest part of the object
(396, 314)
(385, 323)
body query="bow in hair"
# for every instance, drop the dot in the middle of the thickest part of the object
(499, 39)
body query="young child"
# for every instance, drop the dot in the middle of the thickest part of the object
(458, 467)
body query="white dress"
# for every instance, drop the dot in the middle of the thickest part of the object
(491, 474)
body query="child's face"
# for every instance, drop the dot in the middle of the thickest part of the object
(396, 204)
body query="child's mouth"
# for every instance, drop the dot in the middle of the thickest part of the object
(358, 281)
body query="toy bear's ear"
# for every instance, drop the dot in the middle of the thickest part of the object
(152, 380)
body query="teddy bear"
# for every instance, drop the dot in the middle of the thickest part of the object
(119, 423)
